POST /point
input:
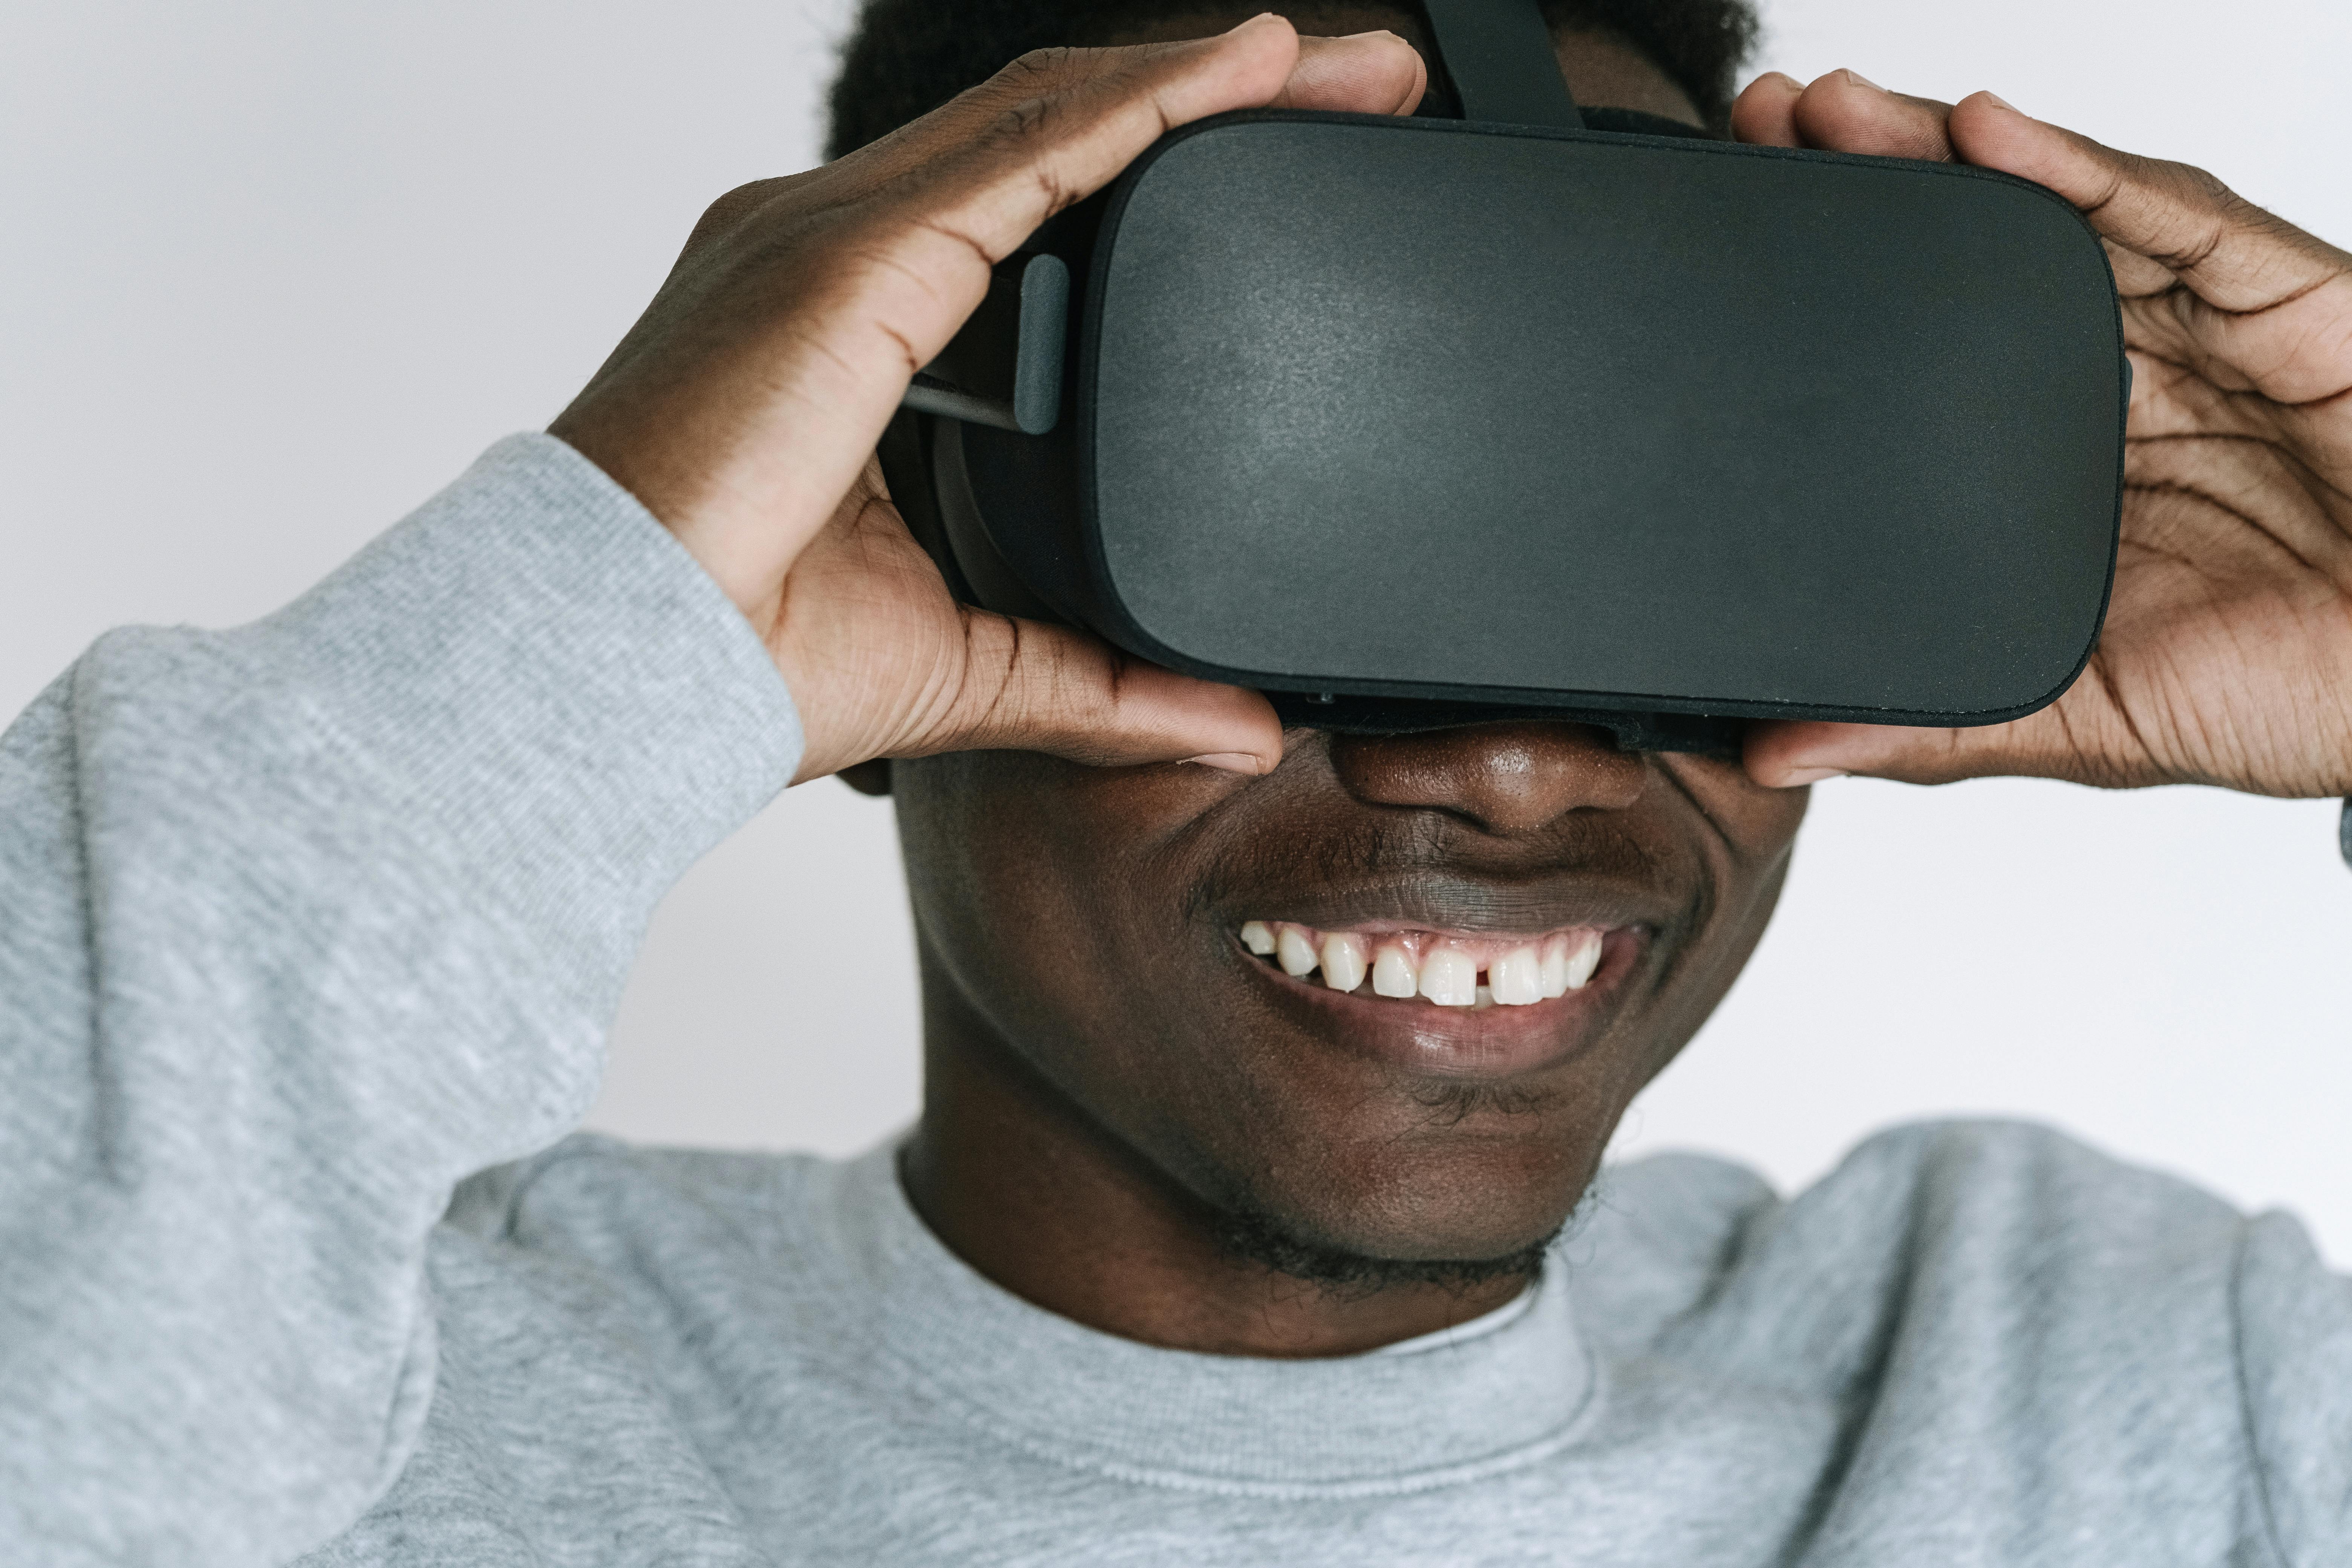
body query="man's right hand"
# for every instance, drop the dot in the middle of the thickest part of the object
(743, 408)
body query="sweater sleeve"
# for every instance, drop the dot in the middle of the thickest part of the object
(299, 925)
(2294, 1368)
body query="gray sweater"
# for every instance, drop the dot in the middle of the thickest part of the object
(310, 931)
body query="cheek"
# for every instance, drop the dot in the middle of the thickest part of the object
(1753, 835)
(1752, 827)
(1054, 895)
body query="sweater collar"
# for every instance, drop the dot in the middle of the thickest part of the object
(1453, 1408)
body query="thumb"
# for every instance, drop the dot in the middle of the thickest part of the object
(2051, 744)
(1366, 73)
(1031, 686)
(1784, 755)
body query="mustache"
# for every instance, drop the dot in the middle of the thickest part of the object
(1451, 876)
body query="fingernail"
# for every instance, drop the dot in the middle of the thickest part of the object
(1231, 761)
(1858, 79)
(1792, 83)
(2001, 102)
(1253, 22)
(1803, 776)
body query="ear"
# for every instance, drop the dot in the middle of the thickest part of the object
(868, 778)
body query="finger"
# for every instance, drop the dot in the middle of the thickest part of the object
(2080, 739)
(2236, 257)
(1845, 111)
(2243, 299)
(1787, 755)
(1252, 59)
(1061, 128)
(1037, 688)
(882, 662)
(1765, 113)
(960, 188)
(1784, 755)
(1344, 75)
(1045, 133)
(867, 273)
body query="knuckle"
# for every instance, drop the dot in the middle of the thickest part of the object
(1019, 121)
(2189, 185)
(741, 199)
(730, 210)
(1056, 194)
(1039, 68)
(2205, 183)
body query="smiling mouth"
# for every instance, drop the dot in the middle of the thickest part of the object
(1449, 969)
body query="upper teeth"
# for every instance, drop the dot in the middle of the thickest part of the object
(1444, 969)
(1345, 956)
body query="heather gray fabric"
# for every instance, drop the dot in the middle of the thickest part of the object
(304, 923)
(299, 925)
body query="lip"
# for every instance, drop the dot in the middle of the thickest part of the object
(1482, 1043)
(1457, 905)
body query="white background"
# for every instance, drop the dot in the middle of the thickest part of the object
(271, 272)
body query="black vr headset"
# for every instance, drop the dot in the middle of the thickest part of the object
(1416, 423)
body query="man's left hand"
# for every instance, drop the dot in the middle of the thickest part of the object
(2227, 655)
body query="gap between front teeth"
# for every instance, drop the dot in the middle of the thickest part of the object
(1446, 971)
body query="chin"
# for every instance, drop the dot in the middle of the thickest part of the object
(1475, 1203)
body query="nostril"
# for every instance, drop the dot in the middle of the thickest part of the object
(1504, 778)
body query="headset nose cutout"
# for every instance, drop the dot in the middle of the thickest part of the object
(1505, 778)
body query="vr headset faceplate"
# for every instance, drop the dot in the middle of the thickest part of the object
(1411, 423)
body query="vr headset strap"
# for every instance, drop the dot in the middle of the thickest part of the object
(1500, 53)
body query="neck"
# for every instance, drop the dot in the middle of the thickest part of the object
(1030, 1192)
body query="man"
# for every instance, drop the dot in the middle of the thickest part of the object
(1208, 1248)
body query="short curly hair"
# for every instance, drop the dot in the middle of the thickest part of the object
(906, 57)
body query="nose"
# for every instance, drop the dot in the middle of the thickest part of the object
(1502, 778)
